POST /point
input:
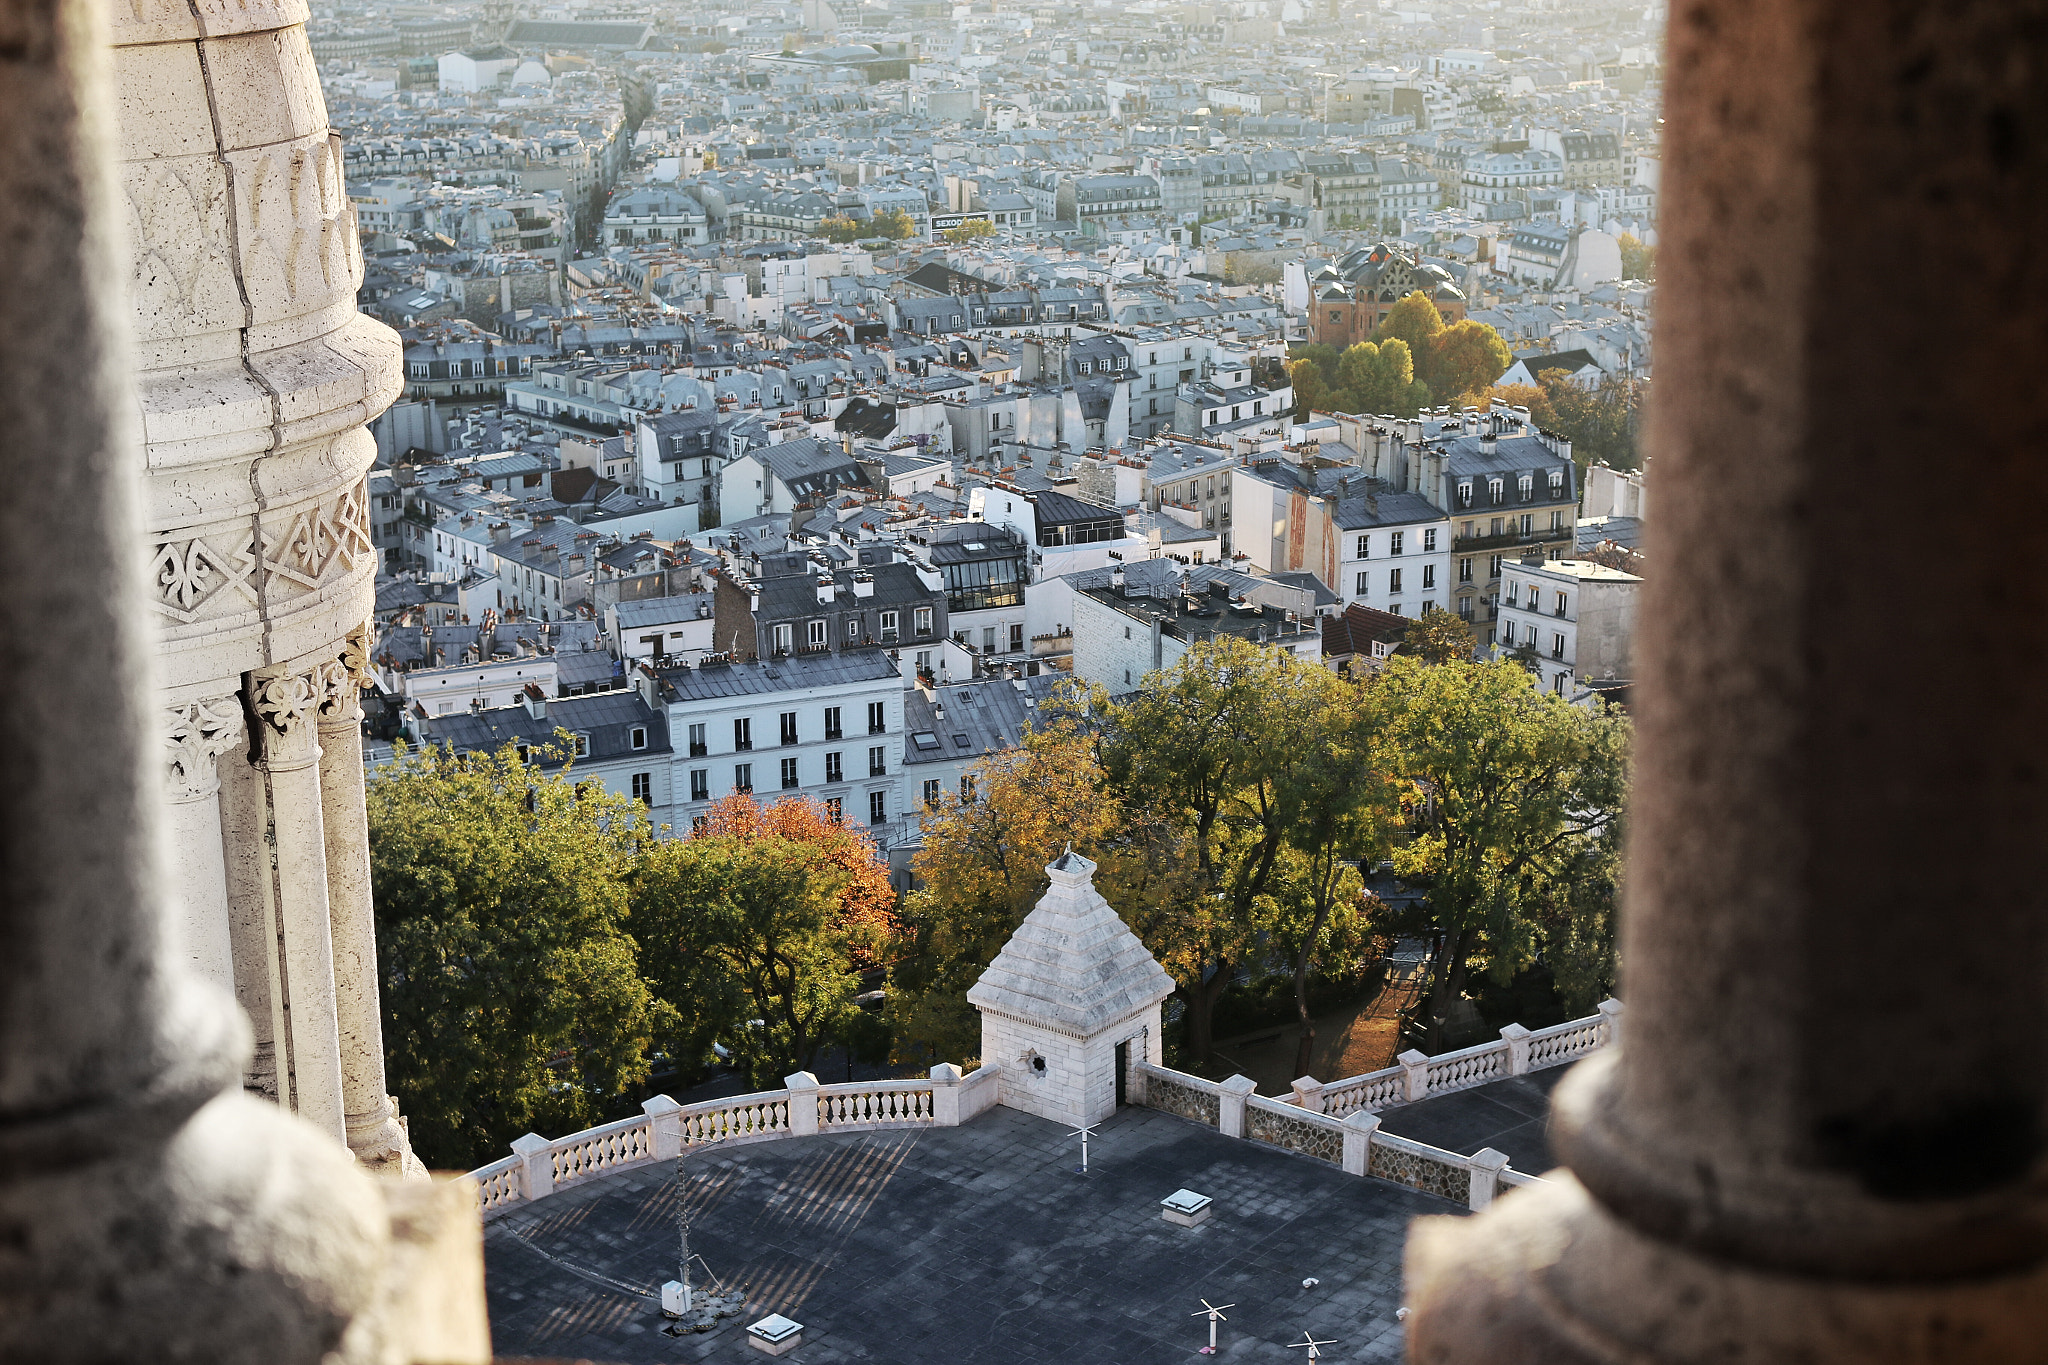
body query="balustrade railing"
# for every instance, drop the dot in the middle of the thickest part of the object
(540, 1166)
(1518, 1052)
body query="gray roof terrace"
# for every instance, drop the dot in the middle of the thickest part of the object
(975, 1243)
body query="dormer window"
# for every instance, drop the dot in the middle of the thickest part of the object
(1556, 483)
(1465, 493)
(1494, 488)
(1526, 485)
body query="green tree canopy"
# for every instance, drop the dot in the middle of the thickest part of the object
(1414, 321)
(1439, 637)
(758, 920)
(1207, 753)
(1522, 790)
(1465, 358)
(973, 230)
(512, 1001)
(1603, 424)
(1638, 261)
(839, 228)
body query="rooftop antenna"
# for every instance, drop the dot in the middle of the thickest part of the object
(1214, 1312)
(1315, 1351)
(1083, 1133)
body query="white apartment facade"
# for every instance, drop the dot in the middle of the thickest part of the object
(1576, 617)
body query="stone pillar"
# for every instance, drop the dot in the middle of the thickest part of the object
(151, 1211)
(195, 736)
(946, 1095)
(1414, 1075)
(803, 1103)
(1485, 1165)
(536, 1165)
(1517, 1039)
(665, 1123)
(1308, 1093)
(369, 1117)
(309, 1050)
(1825, 1137)
(1358, 1130)
(1230, 1105)
(252, 917)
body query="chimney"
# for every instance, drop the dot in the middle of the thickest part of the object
(536, 701)
(863, 585)
(826, 591)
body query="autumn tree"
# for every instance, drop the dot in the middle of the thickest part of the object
(867, 902)
(1603, 423)
(1207, 753)
(972, 230)
(1414, 321)
(1312, 392)
(512, 999)
(892, 223)
(1521, 786)
(1638, 260)
(1464, 358)
(981, 869)
(839, 228)
(757, 921)
(1439, 637)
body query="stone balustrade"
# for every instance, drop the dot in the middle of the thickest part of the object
(1352, 1140)
(540, 1166)
(1415, 1076)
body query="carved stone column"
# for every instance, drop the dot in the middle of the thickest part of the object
(374, 1133)
(195, 736)
(286, 702)
(1824, 1137)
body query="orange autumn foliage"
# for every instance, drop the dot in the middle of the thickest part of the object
(867, 903)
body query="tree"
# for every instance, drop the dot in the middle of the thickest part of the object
(1520, 783)
(1602, 424)
(1638, 261)
(1382, 379)
(1438, 637)
(512, 1002)
(1465, 357)
(892, 223)
(1414, 321)
(973, 230)
(1311, 390)
(867, 902)
(839, 228)
(982, 867)
(1206, 754)
(758, 918)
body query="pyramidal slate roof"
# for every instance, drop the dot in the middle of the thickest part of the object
(1073, 965)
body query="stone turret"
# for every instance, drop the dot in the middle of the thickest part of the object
(1064, 997)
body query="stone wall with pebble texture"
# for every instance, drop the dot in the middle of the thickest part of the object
(1421, 1173)
(1295, 1134)
(1174, 1097)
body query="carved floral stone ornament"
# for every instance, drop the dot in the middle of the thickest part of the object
(195, 736)
(355, 656)
(284, 698)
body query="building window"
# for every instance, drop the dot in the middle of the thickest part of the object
(832, 722)
(1560, 602)
(699, 823)
(788, 773)
(1429, 575)
(924, 620)
(1016, 639)
(853, 628)
(1528, 523)
(835, 810)
(1557, 521)
(1557, 646)
(1364, 548)
(1556, 483)
(643, 788)
(967, 788)
(1557, 684)
(700, 784)
(1464, 571)
(1465, 493)
(931, 791)
(832, 772)
(814, 634)
(878, 718)
(743, 777)
(888, 626)
(1394, 580)
(1493, 567)
(1429, 540)
(878, 807)
(1395, 608)
(789, 727)
(743, 733)
(783, 634)
(1493, 491)
(1364, 580)
(1526, 486)
(1465, 608)
(1507, 631)
(1394, 543)
(638, 738)
(878, 761)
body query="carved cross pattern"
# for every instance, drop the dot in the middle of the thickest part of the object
(315, 537)
(195, 736)
(284, 699)
(188, 574)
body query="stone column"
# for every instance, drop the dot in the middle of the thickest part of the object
(1825, 1136)
(195, 736)
(309, 1050)
(150, 1210)
(371, 1122)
